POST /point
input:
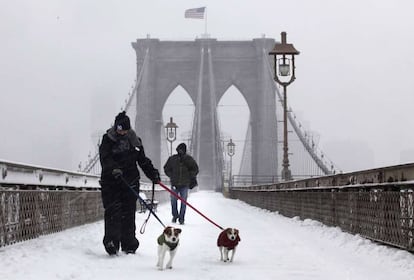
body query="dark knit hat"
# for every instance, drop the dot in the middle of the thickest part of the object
(122, 121)
(182, 147)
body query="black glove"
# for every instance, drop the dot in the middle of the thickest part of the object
(155, 177)
(117, 173)
(193, 183)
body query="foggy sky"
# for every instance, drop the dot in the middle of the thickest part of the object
(66, 68)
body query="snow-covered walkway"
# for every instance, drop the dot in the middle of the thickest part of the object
(271, 247)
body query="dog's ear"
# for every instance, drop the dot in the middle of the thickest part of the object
(177, 231)
(237, 233)
(168, 230)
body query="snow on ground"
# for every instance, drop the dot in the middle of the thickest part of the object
(271, 247)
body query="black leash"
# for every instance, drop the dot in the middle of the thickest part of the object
(143, 202)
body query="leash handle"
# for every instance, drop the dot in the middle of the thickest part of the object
(144, 224)
(188, 204)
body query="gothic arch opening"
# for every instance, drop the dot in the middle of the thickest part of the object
(180, 107)
(205, 68)
(234, 114)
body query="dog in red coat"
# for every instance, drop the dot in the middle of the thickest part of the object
(228, 241)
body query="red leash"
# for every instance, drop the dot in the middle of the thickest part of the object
(189, 205)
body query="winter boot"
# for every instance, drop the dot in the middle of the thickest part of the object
(111, 248)
(130, 247)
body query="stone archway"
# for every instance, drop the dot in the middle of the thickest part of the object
(206, 68)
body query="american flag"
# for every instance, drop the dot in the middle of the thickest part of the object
(195, 13)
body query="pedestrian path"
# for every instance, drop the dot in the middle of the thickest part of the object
(271, 247)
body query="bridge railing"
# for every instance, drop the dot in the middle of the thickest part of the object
(249, 180)
(378, 209)
(37, 200)
(27, 176)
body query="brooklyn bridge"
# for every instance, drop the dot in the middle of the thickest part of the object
(375, 205)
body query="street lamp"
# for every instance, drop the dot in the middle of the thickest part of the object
(284, 67)
(171, 131)
(231, 150)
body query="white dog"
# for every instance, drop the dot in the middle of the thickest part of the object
(167, 241)
(228, 241)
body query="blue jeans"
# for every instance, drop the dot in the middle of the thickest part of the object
(181, 191)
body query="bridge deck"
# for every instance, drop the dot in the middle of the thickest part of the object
(272, 247)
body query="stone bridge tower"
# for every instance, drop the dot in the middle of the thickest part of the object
(206, 68)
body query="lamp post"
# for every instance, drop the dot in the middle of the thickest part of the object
(231, 150)
(284, 67)
(171, 131)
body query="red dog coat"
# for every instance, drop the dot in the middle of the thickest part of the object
(224, 241)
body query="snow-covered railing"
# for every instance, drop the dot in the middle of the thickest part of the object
(377, 204)
(19, 174)
(37, 200)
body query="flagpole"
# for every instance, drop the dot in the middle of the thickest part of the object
(205, 24)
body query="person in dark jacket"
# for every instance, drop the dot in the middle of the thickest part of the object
(182, 170)
(120, 151)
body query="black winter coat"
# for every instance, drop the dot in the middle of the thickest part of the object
(124, 152)
(181, 169)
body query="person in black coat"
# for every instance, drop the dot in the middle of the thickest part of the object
(182, 170)
(120, 151)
